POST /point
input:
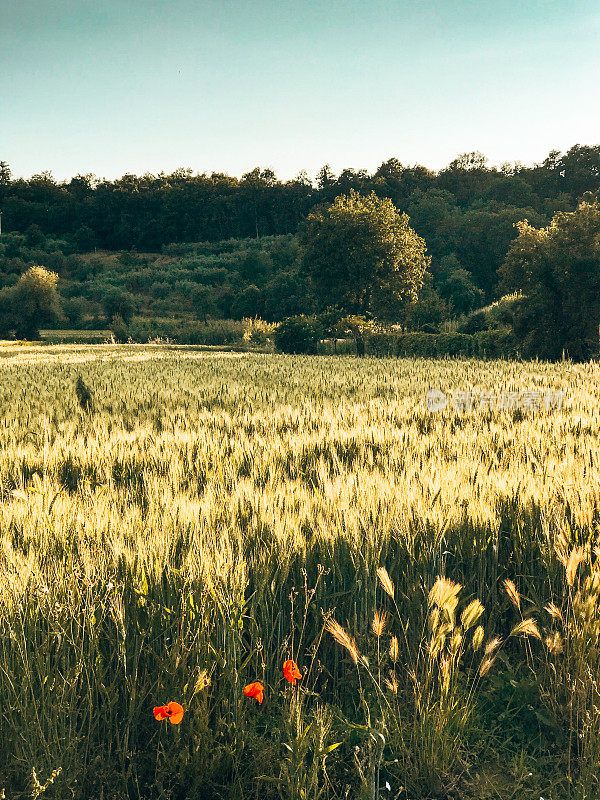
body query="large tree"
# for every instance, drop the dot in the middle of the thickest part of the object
(362, 255)
(34, 301)
(558, 271)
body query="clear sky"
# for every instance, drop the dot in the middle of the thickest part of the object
(115, 86)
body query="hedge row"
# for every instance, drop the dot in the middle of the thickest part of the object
(182, 331)
(496, 343)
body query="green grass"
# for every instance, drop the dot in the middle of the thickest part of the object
(202, 522)
(57, 336)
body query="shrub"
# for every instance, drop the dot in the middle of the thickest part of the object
(257, 331)
(247, 303)
(118, 302)
(493, 343)
(214, 332)
(300, 334)
(35, 301)
(476, 322)
(119, 328)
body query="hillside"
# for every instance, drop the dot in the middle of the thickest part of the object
(465, 212)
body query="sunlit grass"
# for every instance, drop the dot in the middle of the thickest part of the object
(162, 539)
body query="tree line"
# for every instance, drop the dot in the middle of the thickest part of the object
(356, 258)
(465, 212)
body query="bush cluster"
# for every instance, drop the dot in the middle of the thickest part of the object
(299, 334)
(305, 335)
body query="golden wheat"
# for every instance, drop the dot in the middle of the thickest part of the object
(152, 544)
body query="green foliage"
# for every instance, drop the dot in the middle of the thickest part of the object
(34, 236)
(119, 328)
(456, 287)
(201, 297)
(558, 270)
(258, 332)
(84, 239)
(247, 303)
(197, 246)
(307, 748)
(500, 314)
(363, 256)
(475, 322)
(300, 334)
(118, 303)
(428, 311)
(32, 302)
(286, 295)
(256, 266)
(490, 344)
(216, 332)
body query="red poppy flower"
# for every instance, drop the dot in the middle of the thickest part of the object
(172, 711)
(255, 690)
(291, 672)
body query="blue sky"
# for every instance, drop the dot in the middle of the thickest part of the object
(115, 86)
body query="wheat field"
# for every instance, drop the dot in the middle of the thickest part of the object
(200, 518)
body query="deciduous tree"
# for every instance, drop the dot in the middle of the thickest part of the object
(35, 302)
(558, 271)
(362, 255)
